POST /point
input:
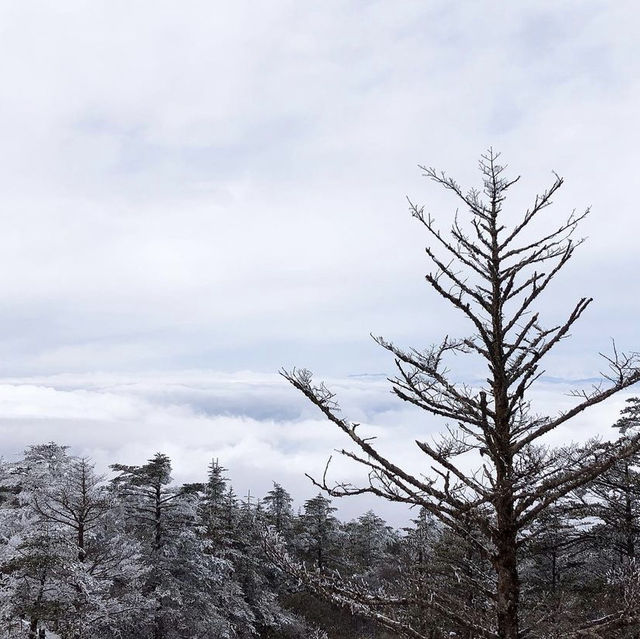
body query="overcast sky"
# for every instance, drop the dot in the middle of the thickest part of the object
(196, 194)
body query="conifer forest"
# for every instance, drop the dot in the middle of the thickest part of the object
(139, 556)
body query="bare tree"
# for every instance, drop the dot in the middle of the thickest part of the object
(493, 276)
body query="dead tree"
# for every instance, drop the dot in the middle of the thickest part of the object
(493, 275)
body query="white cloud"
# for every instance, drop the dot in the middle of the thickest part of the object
(178, 185)
(257, 426)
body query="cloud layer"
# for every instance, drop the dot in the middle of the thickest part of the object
(256, 425)
(223, 186)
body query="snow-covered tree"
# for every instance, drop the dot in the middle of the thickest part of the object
(278, 509)
(369, 542)
(188, 589)
(319, 532)
(36, 559)
(614, 497)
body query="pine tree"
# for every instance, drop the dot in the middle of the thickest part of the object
(369, 542)
(617, 494)
(279, 512)
(75, 502)
(217, 511)
(35, 559)
(156, 519)
(418, 576)
(319, 532)
(195, 584)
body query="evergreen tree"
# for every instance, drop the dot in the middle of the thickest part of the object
(614, 496)
(163, 520)
(36, 558)
(319, 531)
(369, 542)
(278, 510)
(76, 502)
(217, 511)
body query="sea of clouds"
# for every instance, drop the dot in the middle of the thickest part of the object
(256, 425)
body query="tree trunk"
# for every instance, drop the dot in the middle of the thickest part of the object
(158, 624)
(508, 588)
(158, 518)
(33, 628)
(81, 551)
(506, 566)
(628, 515)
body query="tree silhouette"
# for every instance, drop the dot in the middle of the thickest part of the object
(493, 275)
